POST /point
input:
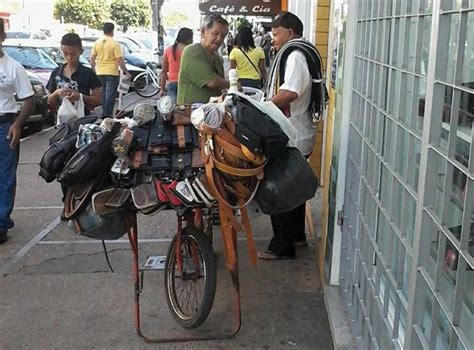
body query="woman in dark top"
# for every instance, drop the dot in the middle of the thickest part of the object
(72, 79)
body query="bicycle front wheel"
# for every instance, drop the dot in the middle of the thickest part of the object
(190, 292)
(144, 85)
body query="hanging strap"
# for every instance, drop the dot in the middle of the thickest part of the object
(107, 256)
(253, 65)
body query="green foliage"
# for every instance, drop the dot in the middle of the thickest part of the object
(242, 22)
(127, 13)
(174, 19)
(92, 13)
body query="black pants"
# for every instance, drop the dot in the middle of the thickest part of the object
(288, 228)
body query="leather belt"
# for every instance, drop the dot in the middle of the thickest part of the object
(7, 117)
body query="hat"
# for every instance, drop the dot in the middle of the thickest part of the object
(288, 20)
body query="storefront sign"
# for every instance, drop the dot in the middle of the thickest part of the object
(243, 8)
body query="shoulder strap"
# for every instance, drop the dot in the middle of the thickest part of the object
(253, 65)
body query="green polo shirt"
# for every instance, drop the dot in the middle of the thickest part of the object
(197, 69)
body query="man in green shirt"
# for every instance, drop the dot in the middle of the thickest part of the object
(201, 74)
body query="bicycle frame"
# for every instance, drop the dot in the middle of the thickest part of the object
(155, 80)
(193, 218)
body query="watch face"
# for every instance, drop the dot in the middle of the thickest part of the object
(165, 105)
(143, 113)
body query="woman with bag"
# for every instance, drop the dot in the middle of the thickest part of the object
(74, 90)
(172, 61)
(248, 59)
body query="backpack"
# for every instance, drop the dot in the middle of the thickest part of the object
(61, 148)
(256, 130)
(319, 93)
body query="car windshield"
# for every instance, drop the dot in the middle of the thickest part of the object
(58, 57)
(30, 57)
(129, 44)
(148, 44)
(18, 35)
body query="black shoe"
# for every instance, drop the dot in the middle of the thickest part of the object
(3, 237)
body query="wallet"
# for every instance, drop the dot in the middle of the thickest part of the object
(159, 135)
(180, 161)
(160, 164)
(140, 137)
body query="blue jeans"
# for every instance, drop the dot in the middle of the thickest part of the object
(110, 84)
(8, 165)
(173, 90)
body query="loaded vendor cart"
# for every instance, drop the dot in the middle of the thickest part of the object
(206, 162)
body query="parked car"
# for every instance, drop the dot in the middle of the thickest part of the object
(132, 53)
(40, 113)
(26, 35)
(32, 56)
(86, 56)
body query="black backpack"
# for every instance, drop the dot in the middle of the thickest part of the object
(256, 130)
(62, 146)
(319, 93)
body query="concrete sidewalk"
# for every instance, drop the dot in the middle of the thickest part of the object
(57, 291)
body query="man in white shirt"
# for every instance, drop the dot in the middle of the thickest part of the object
(13, 81)
(293, 98)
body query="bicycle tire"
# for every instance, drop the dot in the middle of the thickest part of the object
(198, 314)
(143, 87)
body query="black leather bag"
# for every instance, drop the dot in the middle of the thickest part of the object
(62, 148)
(90, 160)
(257, 131)
(56, 156)
(289, 181)
(65, 130)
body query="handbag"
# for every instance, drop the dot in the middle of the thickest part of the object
(289, 181)
(257, 131)
(91, 160)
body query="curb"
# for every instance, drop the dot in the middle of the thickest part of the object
(341, 332)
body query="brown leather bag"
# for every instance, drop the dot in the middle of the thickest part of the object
(233, 174)
(182, 115)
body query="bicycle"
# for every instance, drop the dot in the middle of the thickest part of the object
(147, 83)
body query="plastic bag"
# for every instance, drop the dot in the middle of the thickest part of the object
(289, 181)
(68, 110)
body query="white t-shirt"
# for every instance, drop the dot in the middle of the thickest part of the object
(13, 80)
(298, 80)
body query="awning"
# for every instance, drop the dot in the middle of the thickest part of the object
(243, 8)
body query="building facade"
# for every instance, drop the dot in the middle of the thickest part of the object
(399, 217)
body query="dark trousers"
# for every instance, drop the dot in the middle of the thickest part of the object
(8, 166)
(110, 84)
(255, 83)
(288, 228)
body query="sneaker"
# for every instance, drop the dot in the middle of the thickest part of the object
(3, 237)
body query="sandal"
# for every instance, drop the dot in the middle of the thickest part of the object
(269, 255)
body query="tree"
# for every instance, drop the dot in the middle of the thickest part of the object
(92, 13)
(127, 13)
(241, 22)
(174, 19)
